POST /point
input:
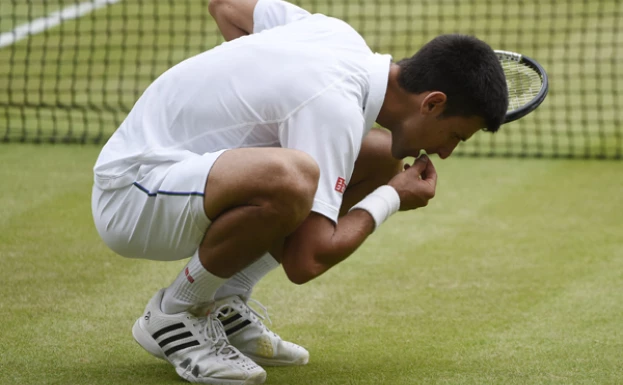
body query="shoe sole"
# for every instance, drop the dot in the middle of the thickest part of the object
(257, 379)
(261, 361)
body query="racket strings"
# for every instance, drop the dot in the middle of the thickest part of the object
(524, 83)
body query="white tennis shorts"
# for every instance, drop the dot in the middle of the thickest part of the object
(159, 217)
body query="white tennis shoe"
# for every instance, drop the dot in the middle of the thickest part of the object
(196, 346)
(246, 331)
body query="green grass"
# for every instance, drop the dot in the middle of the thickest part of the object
(98, 65)
(513, 275)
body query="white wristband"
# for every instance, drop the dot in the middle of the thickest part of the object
(380, 204)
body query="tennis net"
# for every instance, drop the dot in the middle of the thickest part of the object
(71, 70)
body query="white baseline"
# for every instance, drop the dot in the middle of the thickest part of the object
(39, 25)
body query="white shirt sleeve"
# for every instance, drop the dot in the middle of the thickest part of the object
(272, 13)
(331, 133)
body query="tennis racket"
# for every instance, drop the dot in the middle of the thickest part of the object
(527, 84)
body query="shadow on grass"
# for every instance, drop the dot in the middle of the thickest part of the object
(360, 370)
(152, 372)
(319, 372)
(337, 366)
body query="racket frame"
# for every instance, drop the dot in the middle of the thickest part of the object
(540, 96)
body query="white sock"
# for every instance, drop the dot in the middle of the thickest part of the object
(193, 286)
(242, 283)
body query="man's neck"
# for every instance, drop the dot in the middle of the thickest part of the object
(393, 109)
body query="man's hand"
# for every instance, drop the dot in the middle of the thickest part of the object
(416, 184)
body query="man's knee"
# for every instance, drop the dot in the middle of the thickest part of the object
(294, 178)
(375, 160)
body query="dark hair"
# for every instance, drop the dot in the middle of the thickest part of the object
(466, 70)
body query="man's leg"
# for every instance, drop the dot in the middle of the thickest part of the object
(374, 167)
(254, 198)
(243, 282)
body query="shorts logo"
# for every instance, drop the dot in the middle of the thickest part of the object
(340, 185)
(188, 276)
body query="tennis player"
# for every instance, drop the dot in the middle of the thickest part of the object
(261, 152)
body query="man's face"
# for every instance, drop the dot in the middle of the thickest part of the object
(427, 129)
(438, 136)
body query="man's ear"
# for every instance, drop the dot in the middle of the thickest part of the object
(433, 104)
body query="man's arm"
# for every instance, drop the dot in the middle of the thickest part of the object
(233, 17)
(237, 18)
(318, 244)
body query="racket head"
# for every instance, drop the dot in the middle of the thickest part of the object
(527, 84)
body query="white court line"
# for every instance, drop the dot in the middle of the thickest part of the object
(52, 20)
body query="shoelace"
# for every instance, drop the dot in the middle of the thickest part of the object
(258, 315)
(259, 318)
(215, 333)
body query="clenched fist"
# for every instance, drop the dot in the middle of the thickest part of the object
(416, 184)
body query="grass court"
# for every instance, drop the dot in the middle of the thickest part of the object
(512, 275)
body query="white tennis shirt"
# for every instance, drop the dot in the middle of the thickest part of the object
(300, 81)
